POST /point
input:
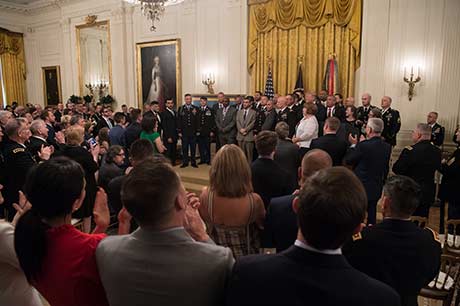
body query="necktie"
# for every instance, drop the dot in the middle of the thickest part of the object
(329, 112)
(110, 125)
(224, 112)
(244, 116)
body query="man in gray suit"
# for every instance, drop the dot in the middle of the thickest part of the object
(169, 260)
(226, 123)
(245, 120)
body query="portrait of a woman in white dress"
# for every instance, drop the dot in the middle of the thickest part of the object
(156, 88)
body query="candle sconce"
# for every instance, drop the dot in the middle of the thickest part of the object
(411, 81)
(209, 80)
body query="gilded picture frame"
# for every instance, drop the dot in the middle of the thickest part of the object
(52, 92)
(158, 72)
(79, 59)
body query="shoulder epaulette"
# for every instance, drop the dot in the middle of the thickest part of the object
(434, 233)
(410, 148)
(451, 161)
(357, 236)
(18, 150)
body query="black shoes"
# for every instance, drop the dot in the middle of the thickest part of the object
(183, 165)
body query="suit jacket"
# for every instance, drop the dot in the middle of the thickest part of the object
(132, 133)
(370, 159)
(227, 124)
(181, 272)
(270, 121)
(398, 253)
(107, 172)
(247, 124)
(332, 144)
(270, 180)
(420, 161)
(51, 134)
(102, 124)
(169, 122)
(117, 136)
(280, 228)
(34, 146)
(301, 277)
(288, 157)
(338, 112)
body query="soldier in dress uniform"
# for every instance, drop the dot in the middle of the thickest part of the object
(18, 161)
(419, 162)
(187, 126)
(285, 114)
(362, 114)
(437, 131)
(260, 113)
(391, 120)
(205, 130)
(386, 250)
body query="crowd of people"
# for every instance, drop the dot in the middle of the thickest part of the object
(296, 177)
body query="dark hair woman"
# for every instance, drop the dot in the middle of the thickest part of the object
(149, 125)
(56, 258)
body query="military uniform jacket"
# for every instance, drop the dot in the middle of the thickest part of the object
(18, 161)
(398, 253)
(362, 113)
(289, 116)
(437, 134)
(391, 125)
(206, 122)
(450, 185)
(260, 119)
(420, 161)
(187, 123)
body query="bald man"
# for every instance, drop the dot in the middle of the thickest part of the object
(362, 113)
(419, 162)
(280, 229)
(285, 114)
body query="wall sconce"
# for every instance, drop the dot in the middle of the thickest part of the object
(411, 81)
(208, 79)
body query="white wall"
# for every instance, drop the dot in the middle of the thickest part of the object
(212, 33)
(422, 33)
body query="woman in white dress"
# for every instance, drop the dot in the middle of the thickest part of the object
(307, 128)
(156, 92)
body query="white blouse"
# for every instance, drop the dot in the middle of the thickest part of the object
(306, 131)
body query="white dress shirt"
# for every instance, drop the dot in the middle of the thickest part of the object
(307, 247)
(306, 131)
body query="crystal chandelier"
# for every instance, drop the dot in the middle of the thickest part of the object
(153, 9)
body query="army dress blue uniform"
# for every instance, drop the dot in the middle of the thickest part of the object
(391, 125)
(437, 134)
(187, 126)
(206, 126)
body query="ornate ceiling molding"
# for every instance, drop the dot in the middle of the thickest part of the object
(33, 8)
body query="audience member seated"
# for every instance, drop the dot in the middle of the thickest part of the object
(14, 289)
(169, 260)
(117, 133)
(88, 161)
(268, 178)
(369, 159)
(307, 128)
(233, 212)
(149, 131)
(331, 207)
(397, 251)
(56, 258)
(280, 229)
(111, 166)
(287, 153)
(330, 142)
(140, 150)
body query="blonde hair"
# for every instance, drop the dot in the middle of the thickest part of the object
(230, 175)
(74, 135)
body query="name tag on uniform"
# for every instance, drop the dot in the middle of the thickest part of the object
(208, 113)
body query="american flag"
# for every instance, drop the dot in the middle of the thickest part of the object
(269, 91)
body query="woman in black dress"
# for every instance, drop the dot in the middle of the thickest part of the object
(351, 127)
(88, 160)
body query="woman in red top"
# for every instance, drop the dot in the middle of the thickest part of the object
(56, 258)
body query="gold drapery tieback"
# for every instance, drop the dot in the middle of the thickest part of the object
(286, 29)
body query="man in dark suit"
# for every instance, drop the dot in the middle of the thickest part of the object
(419, 162)
(59, 112)
(330, 207)
(186, 126)
(268, 178)
(215, 108)
(49, 119)
(155, 109)
(362, 113)
(280, 228)
(370, 159)
(205, 130)
(117, 133)
(330, 142)
(286, 153)
(38, 139)
(106, 121)
(437, 131)
(392, 121)
(124, 110)
(226, 123)
(320, 113)
(270, 117)
(169, 122)
(134, 129)
(386, 251)
(334, 109)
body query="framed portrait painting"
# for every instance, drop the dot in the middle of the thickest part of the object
(158, 72)
(52, 85)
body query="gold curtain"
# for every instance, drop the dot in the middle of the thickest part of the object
(287, 30)
(13, 66)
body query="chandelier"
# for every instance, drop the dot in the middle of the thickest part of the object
(153, 9)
